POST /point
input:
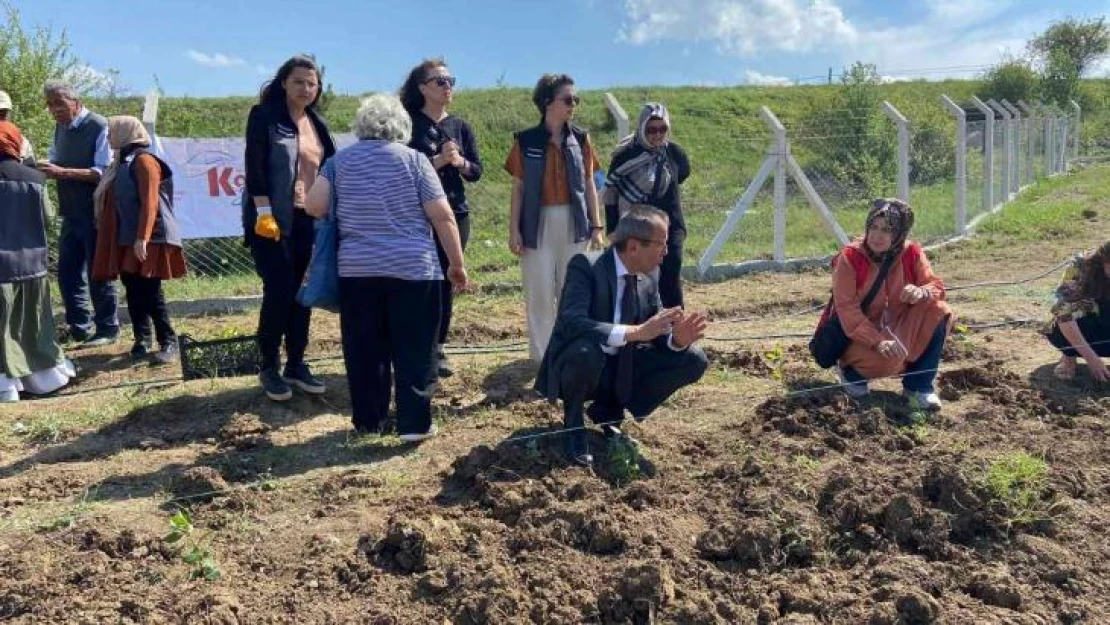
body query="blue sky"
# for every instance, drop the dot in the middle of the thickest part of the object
(228, 47)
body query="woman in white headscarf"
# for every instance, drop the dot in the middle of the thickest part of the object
(647, 168)
(137, 235)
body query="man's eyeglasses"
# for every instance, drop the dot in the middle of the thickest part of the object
(655, 130)
(442, 81)
(570, 100)
(652, 242)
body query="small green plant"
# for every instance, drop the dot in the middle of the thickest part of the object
(624, 461)
(775, 358)
(196, 552)
(1017, 482)
(805, 463)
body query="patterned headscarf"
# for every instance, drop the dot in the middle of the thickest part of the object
(11, 140)
(635, 180)
(898, 215)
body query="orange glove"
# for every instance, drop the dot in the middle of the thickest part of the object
(266, 226)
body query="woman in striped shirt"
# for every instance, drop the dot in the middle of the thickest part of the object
(387, 201)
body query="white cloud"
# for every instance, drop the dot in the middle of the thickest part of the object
(740, 27)
(752, 77)
(215, 60)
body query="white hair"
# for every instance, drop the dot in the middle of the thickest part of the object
(381, 116)
(59, 87)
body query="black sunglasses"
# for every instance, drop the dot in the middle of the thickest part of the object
(441, 81)
(569, 100)
(655, 130)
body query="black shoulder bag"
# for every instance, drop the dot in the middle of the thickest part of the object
(829, 340)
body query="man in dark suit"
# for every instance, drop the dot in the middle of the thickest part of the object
(613, 342)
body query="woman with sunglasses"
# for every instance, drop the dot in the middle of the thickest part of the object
(647, 168)
(554, 207)
(449, 143)
(902, 332)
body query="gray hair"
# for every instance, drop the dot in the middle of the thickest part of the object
(638, 223)
(381, 116)
(60, 88)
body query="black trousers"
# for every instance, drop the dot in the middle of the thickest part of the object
(447, 295)
(282, 265)
(146, 304)
(586, 372)
(390, 323)
(1094, 328)
(670, 272)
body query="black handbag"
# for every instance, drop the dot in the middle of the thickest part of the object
(829, 340)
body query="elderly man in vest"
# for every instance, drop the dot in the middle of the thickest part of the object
(613, 342)
(77, 158)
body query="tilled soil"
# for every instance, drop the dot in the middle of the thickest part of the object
(761, 495)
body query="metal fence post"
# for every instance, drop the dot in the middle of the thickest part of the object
(1031, 139)
(988, 153)
(782, 148)
(618, 113)
(1049, 142)
(903, 149)
(1078, 126)
(1007, 144)
(1016, 151)
(961, 162)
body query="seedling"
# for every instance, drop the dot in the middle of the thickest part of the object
(196, 552)
(624, 461)
(1017, 482)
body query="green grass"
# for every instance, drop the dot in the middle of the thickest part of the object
(1017, 482)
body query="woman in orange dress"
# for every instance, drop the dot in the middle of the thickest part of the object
(137, 235)
(905, 326)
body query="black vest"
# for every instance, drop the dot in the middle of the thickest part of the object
(533, 152)
(125, 191)
(75, 148)
(22, 222)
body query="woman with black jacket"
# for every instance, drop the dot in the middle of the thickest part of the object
(449, 143)
(287, 143)
(647, 168)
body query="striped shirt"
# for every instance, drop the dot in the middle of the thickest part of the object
(381, 188)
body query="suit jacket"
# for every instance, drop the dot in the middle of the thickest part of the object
(586, 309)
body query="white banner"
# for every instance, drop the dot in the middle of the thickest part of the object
(208, 179)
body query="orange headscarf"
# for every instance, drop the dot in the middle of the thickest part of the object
(11, 140)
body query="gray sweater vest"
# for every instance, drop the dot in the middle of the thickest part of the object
(125, 190)
(75, 148)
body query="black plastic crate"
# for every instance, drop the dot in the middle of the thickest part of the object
(219, 358)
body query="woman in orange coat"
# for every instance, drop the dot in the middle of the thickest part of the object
(137, 235)
(905, 325)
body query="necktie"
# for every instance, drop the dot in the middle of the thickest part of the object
(630, 313)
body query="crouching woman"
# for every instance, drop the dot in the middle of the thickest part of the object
(904, 327)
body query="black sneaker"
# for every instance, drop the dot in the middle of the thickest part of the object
(166, 354)
(275, 387)
(101, 340)
(443, 368)
(140, 350)
(300, 377)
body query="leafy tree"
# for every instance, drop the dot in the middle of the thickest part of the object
(1060, 79)
(857, 153)
(1011, 80)
(27, 60)
(1072, 45)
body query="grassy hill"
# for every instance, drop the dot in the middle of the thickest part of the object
(719, 127)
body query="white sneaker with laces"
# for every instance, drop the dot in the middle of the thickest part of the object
(854, 389)
(416, 437)
(924, 400)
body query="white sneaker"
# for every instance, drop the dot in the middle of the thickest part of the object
(922, 400)
(9, 396)
(419, 436)
(854, 389)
